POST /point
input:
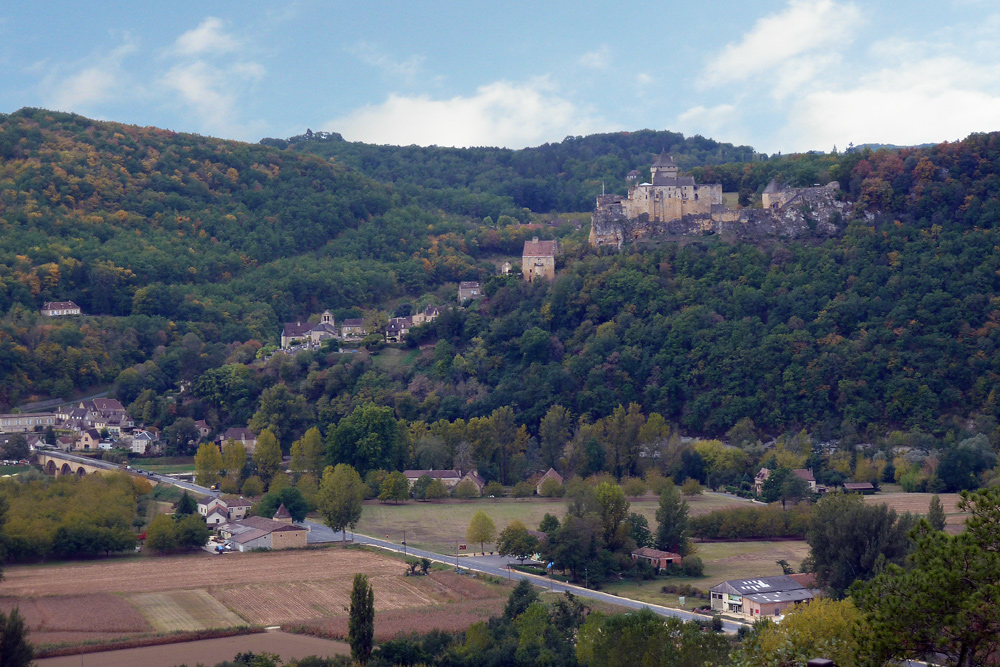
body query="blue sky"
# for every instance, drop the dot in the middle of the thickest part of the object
(781, 76)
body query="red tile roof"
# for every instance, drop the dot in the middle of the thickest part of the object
(537, 248)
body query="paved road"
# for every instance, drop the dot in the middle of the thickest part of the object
(321, 534)
(318, 534)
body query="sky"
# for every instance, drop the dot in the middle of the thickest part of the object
(781, 76)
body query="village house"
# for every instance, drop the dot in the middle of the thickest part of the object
(229, 509)
(139, 442)
(59, 308)
(397, 328)
(807, 477)
(429, 314)
(469, 290)
(244, 436)
(307, 332)
(353, 328)
(203, 428)
(660, 560)
(538, 260)
(89, 440)
(26, 422)
(764, 597)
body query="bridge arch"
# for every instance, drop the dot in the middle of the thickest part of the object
(81, 472)
(50, 468)
(65, 469)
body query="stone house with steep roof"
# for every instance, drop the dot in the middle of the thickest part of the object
(549, 474)
(353, 328)
(244, 436)
(538, 260)
(308, 332)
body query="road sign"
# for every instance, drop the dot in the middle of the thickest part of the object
(681, 600)
(461, 547)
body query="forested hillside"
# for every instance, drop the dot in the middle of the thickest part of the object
(566, 176)
(187, 253)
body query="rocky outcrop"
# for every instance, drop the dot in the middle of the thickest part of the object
(802, 213)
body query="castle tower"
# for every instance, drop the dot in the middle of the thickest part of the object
(663, 168)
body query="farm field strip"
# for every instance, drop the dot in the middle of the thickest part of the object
(184, 610)
(275, 603)
(200, 570)
(100, 613)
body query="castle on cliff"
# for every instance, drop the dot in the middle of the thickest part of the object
(675, 205)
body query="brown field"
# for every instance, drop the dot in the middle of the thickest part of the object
(453, 617)
(184, 611)
(78, 613)
(919, 503)
(128, 598)
(143, 575)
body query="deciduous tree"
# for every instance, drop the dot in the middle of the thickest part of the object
(481, 529)
(515, 541)
(267, 456)
(340, 498)
(207, 464)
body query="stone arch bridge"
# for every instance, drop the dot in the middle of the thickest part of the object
(57, 463)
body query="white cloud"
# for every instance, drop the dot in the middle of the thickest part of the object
(778, 41)
(929, 100)
(643, 79)
(211, 75)
(208, 37)
(499, 114)
(373, 55)
(84, 86)
(706, 120)
(599, 58)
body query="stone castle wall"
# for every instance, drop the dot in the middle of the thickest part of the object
(804, 213)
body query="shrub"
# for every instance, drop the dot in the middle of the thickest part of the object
(495, 490)
(693, 567)
(523, 490)
(465, 489)
(435, 490)
(552, 489)
(691, 487)
(633, 487)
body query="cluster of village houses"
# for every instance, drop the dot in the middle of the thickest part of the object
(537, 262)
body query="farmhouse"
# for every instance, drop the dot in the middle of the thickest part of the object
(397, 328)
(763, 597)
(450, 478)
(255, 532)
(658, 559)
(429, 314)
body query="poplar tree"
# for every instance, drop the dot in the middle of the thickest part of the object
(361, 623)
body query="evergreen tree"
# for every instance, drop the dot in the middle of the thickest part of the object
(15, 651)
(935, 514)
(361, 623)
(186, 505)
